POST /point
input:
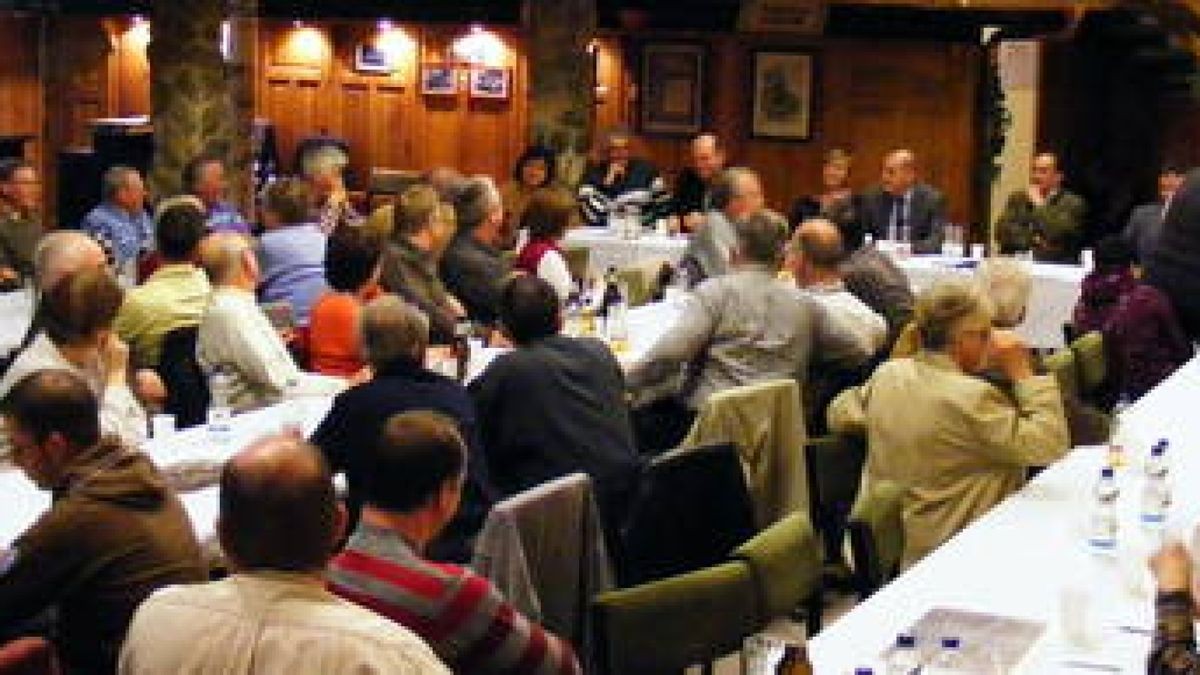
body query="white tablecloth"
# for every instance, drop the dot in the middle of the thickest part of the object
(1055, 292)
(1019, 559)
(16, 310)
(606, 249)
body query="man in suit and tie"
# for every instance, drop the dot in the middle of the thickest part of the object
(901, 209)
(1145, 222)
(1043, 218)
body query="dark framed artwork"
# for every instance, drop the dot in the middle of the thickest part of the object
(491, 83)
(672, 89)
(371, 59)
(439, 79)
(783, 92)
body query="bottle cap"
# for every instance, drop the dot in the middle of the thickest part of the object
(1106, 472)
(864, 671)
(951, 643)
(906, 641)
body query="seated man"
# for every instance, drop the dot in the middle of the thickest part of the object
(745, 327)
(394, 337)
(693, 198)
(121, 221)
(902, 209)
(204, 177)
(621, 181)
(956, 442)
(554, 405)
(175, 296)
(113, 534)
(236, 335)
(291, 252)
(279, 523)
(1145, 222)
(1044, 218)
(20, 222)
(418, 467)
(873, 277)
(472, 267)
(736, 194)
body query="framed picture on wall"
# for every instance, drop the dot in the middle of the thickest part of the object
(491, 83)
(672, 89)
(371, 59)
(438, 79)
(782, 99)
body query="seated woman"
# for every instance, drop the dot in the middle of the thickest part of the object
(77, 315)
(535, 169)
(1144, 341)
(958, 443)
(292, 250)
(546, 219)
(836, 202)
(352, 267)
(330, 197)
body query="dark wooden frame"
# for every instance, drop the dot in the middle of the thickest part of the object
(804, 130)
(653, 118)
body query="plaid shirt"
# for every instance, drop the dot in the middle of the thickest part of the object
(1174, 649)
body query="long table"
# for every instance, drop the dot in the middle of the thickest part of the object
(16, 310)
(606, 249)
(1028, 556)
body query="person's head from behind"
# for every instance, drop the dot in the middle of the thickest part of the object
(737, 191)
(479, 211)
(229, 260)
(424, 220)
(393, 331)
(63, 252)
(1113, 254)
(416, 471)
(535, 167)
(954, 317)
(815, 252)
(899, 172)
(50, 417)
(205, 178)
(835, 171)
(761, 239)
(708, 156)
(80, 309)
(529, 309)
(549, 213)
(178, 231)
(1007, 284)
(123, 187)
(1170, 179)
(1046, 174)
(20, 187)
(287, 201)
(446, 182)
(279, 511)
(353, 258)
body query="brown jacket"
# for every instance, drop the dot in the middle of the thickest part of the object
(113, 534)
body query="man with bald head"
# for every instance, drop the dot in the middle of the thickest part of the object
(1043, 218)
(279, 525)
(692, 197)
(902, 209)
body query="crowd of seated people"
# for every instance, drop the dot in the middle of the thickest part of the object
(309, 298)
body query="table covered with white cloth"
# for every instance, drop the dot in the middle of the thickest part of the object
(608, 249)
(16, 311)
(1055, 292)
(1028, 558)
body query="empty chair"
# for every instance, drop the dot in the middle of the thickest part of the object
(691, 509)
(28, 656)
(187, 389)
(665, 626)
(785, 561)
(766, 422)
(876, 530)
(835, 466)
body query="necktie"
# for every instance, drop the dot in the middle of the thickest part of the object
(899, 223)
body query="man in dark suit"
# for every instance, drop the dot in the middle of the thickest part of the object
(1172, 266)
(693, 198)
(1145, 222)
(901, 209)
(1043, 218)
(622, 182)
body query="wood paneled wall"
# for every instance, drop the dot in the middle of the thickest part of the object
(20, 82)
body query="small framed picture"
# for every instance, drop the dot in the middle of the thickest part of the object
(783, 95)
(491, 83)
(438, 79)
(371, 59)
(672, 89)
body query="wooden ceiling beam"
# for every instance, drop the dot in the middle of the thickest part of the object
(988, 5)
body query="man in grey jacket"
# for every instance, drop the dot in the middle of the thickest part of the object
(735, 195)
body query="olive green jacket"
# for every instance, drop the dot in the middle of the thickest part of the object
(1053, 231)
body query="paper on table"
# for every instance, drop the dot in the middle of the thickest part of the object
(990, 643)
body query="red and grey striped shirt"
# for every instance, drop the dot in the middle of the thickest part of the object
(462, 616)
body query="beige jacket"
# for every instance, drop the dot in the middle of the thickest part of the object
(959, 444)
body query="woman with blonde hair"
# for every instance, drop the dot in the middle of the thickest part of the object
(836, 201)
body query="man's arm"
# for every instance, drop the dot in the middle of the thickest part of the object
(681, 344)
(932, 241)
(1012, 227)
(37, 570)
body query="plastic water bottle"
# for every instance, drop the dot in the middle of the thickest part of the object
(904, 659)
(1116, 441)
(1102, 530)
(948, 660)
(220, 406)
(1156, 493)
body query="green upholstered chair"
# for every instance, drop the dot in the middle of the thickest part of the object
(1091, 364)
(1061, 364)
(785, 560)
(668, 625)
(638, 285)
(877, 535)
(577, 261)
(834, 464)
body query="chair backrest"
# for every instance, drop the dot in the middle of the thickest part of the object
(691, 509)
(187, 389)
(1061, 364)
(577, 261)
(765, 421)
(785, 560)
(835, 465)
(28, 656)
(877, 535)
(637, 283)
(1092, 365)
(667, 625)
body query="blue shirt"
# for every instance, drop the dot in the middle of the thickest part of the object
(292, 259)
(127, 234)
(224, 217)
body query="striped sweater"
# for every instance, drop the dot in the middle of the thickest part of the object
(459, 613)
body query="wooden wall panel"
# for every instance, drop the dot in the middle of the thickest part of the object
(20, 83)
